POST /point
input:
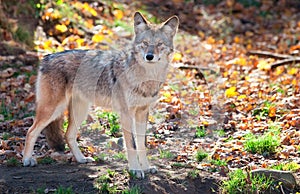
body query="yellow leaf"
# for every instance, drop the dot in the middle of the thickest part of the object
(97, 38)
(241, 97)
(89, 9)
(231, 92)
(47, 44)
(151, 119)
(118, 14)
(167, 97)
(61, 28)
(293, 71)
(224, 49)
(80, 42)
(177, 57)
(263, 65)
(241, 61)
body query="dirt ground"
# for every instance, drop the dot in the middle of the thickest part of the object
(81, 178)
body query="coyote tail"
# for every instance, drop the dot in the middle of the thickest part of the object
(54, 134)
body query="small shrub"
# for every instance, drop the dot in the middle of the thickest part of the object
(265, 144)
(200, 132)
(201, 155)
(112, 122)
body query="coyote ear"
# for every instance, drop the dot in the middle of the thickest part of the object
(171, 25)
(140, 23)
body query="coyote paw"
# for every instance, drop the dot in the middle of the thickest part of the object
(151, 169)
(86, 160)
(138, 174)
(29, 162)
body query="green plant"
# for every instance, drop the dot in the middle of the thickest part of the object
(290, 166)
(240, 182)
(46, 160)
(193, 173)
(133, 190)
(23, 35)
(200, 132)
(103, 182)
(112, 122)
(265, 144)
(165, 154)
(120, 156)
(201, 155)
(6, 136)
(63, 190)
(263, 111)
(12, 162)
(218, 162)
(4, 110)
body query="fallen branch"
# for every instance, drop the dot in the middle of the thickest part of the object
(269, 54)
(286, 59)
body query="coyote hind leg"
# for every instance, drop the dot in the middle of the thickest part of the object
(78, 110)
(44, 116)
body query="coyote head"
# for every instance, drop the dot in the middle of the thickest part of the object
(154, 43)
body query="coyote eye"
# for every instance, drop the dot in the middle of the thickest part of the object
(145, 43)
(159, 44)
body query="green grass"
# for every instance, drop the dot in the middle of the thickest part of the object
(6, 136)
(13, 162)
(200, 132)
(265, 144)
(120, 156)
(201, 155)
(46, 160)
(112, 122)
(133, 190)
(63, 190)
(241, 182)
(290, 166)
(219, 162)
(4, 110)
(193, 173)
(165, 154)
(103, 182)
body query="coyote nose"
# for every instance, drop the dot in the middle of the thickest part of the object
(149, 56)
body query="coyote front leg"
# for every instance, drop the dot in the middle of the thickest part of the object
(141, 118)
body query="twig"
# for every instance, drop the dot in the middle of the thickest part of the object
(286, 59)
(269, 54)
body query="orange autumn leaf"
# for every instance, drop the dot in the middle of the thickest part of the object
(272, 111)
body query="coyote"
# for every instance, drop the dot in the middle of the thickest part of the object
(127, 81)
